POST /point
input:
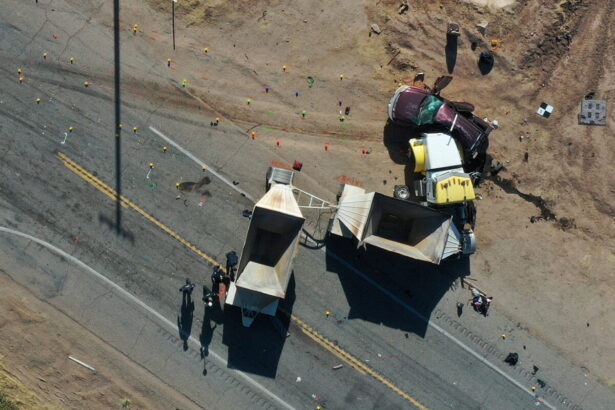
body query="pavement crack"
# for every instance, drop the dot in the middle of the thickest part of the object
(138, 337)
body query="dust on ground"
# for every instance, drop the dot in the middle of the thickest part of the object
(553, 276)
(35, 372)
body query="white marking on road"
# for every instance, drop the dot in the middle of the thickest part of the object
(437, 328)
(153, 312)
(201, 163)
(389, 294)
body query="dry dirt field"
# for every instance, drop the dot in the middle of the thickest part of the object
(554, 276)
(35, 372)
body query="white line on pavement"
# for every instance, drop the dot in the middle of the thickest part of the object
(388, 293)
(172, 326)
(201, 163)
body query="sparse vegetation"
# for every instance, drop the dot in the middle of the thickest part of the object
(6, 404)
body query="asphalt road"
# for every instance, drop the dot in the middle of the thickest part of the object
(40, 196)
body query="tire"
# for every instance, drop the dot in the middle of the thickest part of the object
(401, 192)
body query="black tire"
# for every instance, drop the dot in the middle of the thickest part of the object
(402, 192)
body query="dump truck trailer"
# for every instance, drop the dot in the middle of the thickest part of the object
(407, 228)
(269, 251)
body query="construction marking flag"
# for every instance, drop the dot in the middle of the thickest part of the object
(545, 110)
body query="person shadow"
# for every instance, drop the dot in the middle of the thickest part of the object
(450, 52)
(185, 318)
(212, 315)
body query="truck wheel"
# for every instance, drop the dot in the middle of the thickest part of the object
(401, 192)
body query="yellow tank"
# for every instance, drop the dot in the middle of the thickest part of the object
(454, 189)
(418, 151)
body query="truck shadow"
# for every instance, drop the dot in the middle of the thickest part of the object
(257, 349)
(412, 289)
(395, 138)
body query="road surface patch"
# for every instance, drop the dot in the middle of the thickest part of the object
(308, 330)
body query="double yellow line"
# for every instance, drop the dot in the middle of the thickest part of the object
(305, 328)
(126, 203)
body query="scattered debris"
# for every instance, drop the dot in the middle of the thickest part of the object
(298, 379)
(485, 62)
(82, 363)
(534, 219)
(376, 29)
(512, 359)
(403, 7)
(482, 27)
(545, 110)
(593, 112)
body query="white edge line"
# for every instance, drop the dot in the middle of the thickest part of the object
(153, 312)
(201, 163)
(383, 290)
(438, 328)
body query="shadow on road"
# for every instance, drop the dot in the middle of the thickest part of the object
(257, 349)
(105, 220)
(418, 284)
(184, 320)
(450, 52)
(211, 315)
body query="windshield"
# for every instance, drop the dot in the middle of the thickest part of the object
(427, 110)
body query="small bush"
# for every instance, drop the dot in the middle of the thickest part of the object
(6, 404)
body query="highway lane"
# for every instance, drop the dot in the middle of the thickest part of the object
(426, 365)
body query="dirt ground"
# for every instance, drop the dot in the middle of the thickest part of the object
(35, 372)
(554, 276)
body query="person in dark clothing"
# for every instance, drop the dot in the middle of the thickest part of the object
(217, 277)
(231, 264)
(484, 308)
(209, 297)
(187, 288)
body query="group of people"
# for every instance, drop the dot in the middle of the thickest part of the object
(218, 277)
(480, 302)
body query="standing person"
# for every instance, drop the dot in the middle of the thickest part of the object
(485, 306)
(231, 264)
(208, 297)
(217, 277)
(187, 288)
